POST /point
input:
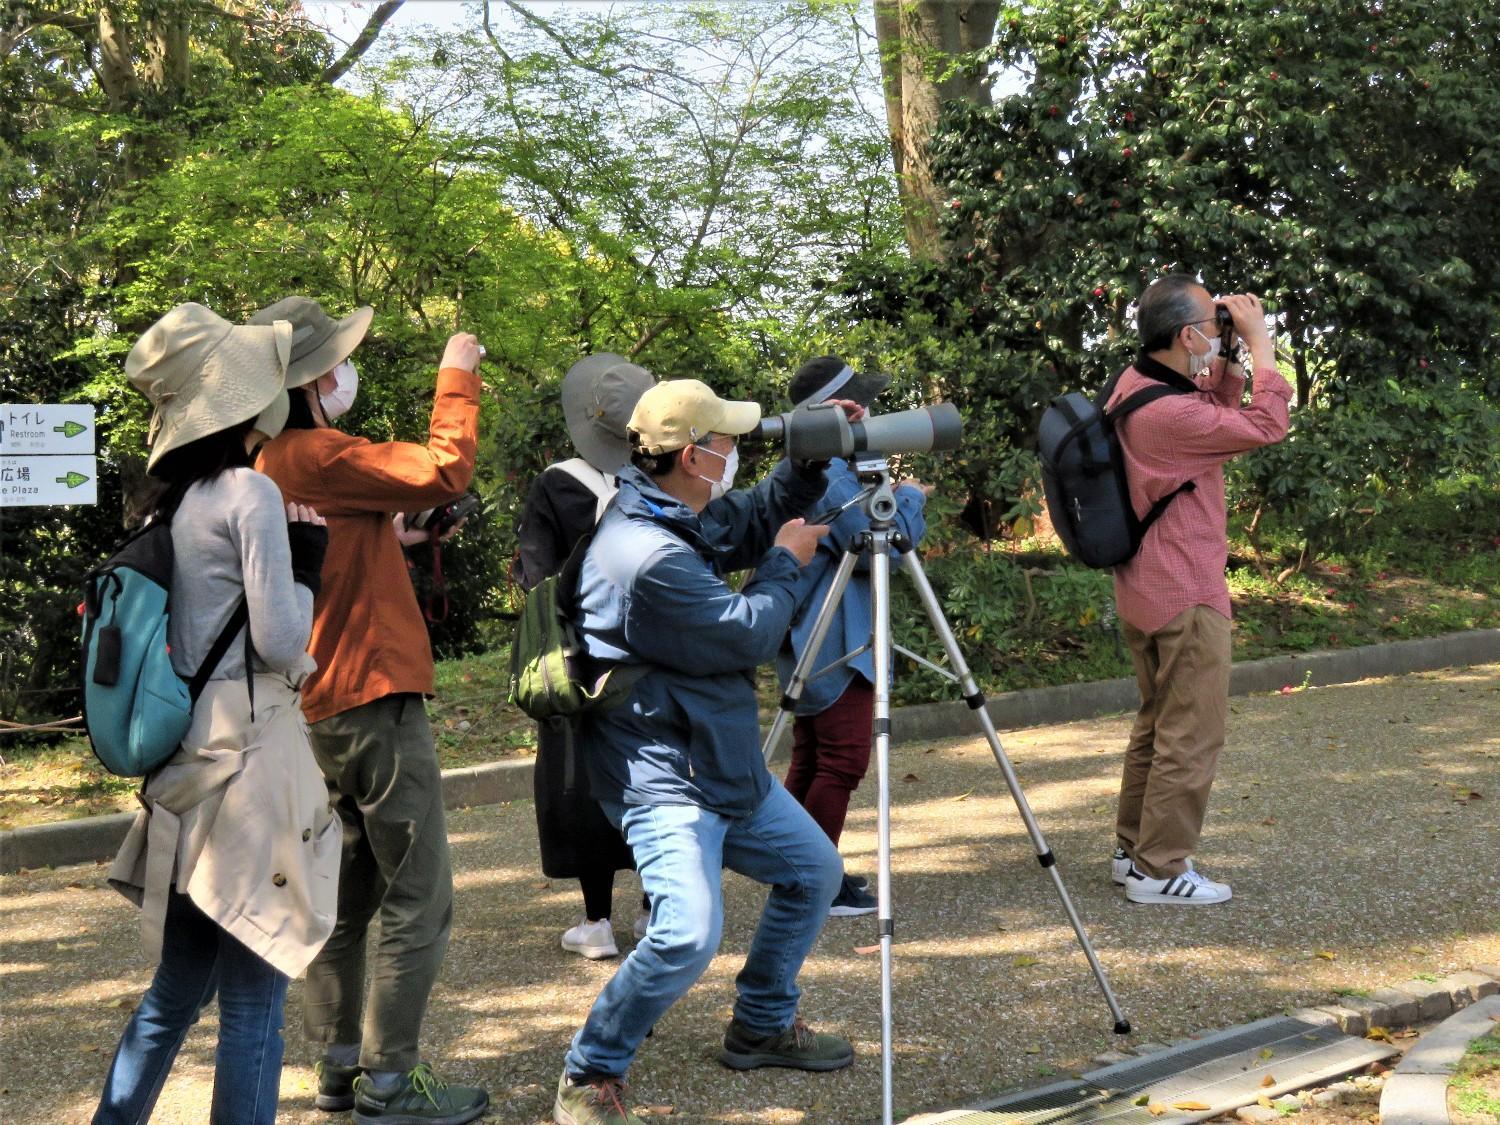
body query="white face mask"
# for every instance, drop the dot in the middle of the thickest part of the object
(717, 488)
(337, 402)
(1197, 364)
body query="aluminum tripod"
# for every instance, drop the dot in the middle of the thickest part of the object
(879, 504)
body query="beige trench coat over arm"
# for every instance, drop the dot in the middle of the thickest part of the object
(239, 820)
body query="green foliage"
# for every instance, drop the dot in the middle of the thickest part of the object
(1339, 161)
(591, 188)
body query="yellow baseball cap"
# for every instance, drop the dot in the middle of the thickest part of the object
(679, 412)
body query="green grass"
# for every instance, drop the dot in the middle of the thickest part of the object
(1476, 1083)
(1432, 567)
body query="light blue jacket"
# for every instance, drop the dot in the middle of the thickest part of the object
(652, 592)
(850, 628)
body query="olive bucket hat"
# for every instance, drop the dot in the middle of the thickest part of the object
(319, 343)
(599, 392)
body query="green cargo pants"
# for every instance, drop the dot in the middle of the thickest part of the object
(383, 778)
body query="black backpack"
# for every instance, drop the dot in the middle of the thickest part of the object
(1083, 475)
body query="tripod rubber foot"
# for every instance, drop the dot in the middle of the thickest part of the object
(1122, 1027)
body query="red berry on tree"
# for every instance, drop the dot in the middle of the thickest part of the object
(1129, 117)
(1051, 111)
(1098, 292)
(1126, 151)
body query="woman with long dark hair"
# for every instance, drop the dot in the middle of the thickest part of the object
(234, 858)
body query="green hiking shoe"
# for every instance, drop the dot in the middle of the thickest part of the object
(420, 1098)
(594, 1101)
(798, 1047)
(335, 1085)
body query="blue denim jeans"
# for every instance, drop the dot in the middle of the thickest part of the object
(197, 960)
(680, 851)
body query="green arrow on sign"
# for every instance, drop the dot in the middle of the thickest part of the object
(73, 480)
(69, 429)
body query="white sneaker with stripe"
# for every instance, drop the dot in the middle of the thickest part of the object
(1188, 889)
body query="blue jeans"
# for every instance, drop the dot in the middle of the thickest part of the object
(197, 960)
(680, 851)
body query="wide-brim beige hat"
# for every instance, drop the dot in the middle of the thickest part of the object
(599, 393)
(203, 374)
(319, 343)
(679, 412)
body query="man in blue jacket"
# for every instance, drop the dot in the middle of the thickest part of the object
(834, 716)
(677, 767)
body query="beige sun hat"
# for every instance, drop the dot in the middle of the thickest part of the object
(319, 343)
(679, 412)
(203, 374)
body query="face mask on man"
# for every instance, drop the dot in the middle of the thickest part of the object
(718, 488)
(1197, 364)
(336, 403)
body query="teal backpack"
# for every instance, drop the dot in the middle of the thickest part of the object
(136, 708)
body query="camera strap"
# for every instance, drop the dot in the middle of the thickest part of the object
(438, 593)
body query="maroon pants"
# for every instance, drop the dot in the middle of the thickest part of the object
(830, 754)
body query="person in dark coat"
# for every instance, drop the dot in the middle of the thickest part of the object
(564, 503)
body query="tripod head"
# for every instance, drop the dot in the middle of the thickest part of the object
(876, 496)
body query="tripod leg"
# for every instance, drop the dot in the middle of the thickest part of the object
(809, 655)
(881, 639)
(975, 699)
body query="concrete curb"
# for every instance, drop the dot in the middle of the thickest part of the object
(1417, 1091)
(98, 837)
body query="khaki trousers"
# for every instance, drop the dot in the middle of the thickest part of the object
(383, 778)
(1173, 753)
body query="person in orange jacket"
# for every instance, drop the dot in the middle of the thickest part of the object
(368, 724)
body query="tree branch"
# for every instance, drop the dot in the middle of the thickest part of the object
(362, 42)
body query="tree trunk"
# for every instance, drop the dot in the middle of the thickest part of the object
(921, 43)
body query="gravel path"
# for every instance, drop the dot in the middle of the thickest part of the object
(1358, 825)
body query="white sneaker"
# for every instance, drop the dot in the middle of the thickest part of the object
(642, 920)
(1119, 867)
(1188, 889)
(595, 940)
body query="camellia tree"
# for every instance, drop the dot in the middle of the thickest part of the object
(1339, 160)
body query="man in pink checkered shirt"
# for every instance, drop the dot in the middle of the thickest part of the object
(1172, 597)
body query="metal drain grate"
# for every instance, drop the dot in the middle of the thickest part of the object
(1221, 1071)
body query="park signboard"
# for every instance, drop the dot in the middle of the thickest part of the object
(47, 454)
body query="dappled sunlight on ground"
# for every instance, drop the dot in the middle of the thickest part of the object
(1340, 817)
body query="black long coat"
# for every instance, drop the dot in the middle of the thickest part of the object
(575, 836)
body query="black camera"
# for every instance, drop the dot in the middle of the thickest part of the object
(444, 516)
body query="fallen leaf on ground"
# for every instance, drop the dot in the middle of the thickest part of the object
(1327, 955)
(866, 949)
(1267, 1053)
(1025, 961)
(1142, 1100)
(911, 777)
(964, 796)
(1156, 1109)
(1191, 1105)
(655, 1110)
(1268, 1080)
(1265, 1102)
(1378, 1033)
(1033, 1050)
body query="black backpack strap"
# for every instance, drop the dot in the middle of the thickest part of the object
(1161, 505)
(239, 619)
(572, 570)
(1132, 403)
